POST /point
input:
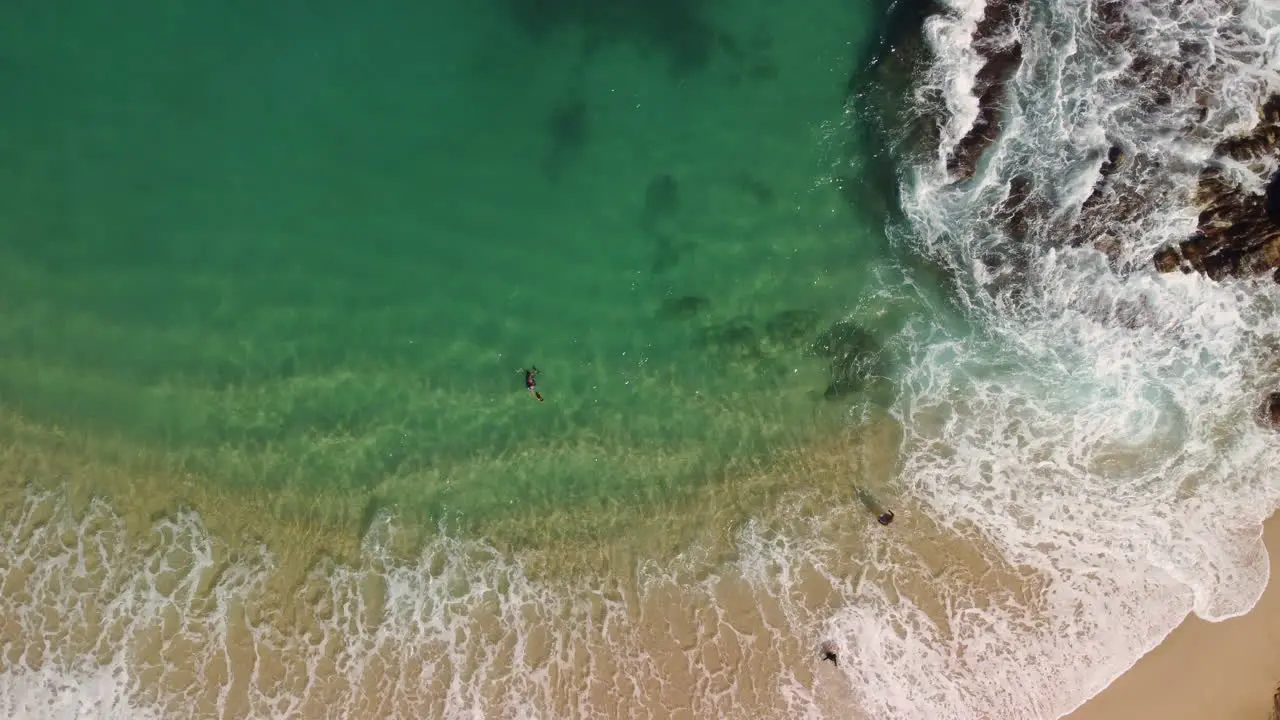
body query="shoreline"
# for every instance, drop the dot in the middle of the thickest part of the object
(1228, 670)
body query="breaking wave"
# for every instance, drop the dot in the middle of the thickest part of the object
(1099, 428)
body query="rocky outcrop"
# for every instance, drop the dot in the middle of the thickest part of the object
(1022, 210)
(1121, 197)
(996, 40)
(1109, 204)
(1269, 413)
(1016, 211)
(1132, 180)
(1115, 159)
(1238, 230)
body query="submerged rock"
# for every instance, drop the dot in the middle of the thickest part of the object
(844, 337)
(736, 338)
(661, 201)
(568, 131)
(683, 307)
(853, 354)
(851, 373)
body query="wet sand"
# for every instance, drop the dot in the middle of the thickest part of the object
(1228, 670)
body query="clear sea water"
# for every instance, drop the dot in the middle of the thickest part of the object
(305, 248)
(269, 273)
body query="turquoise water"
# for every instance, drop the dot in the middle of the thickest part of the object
(308, 246)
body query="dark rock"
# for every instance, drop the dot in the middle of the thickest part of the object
(851, 373)
(1115, 156)
(1108, 245)
(1261, 142)
(994, 41)
(1270, 410)
(730, 46)
(1159, 73)
(844, 337)
(1119, 197)
(1020, 207)
(1167, 260)
(750, 59)
(1088, 221)
(1261, 259)
(1273, 197)
(1112, 22)
(1237, 233)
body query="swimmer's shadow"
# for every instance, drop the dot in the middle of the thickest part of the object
(869, 501)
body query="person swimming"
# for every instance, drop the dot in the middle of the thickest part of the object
(530, 383)
(829, 654)
(883, 516)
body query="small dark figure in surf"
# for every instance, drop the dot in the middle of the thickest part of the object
(885, 517)
(531, 383)
(828, 651)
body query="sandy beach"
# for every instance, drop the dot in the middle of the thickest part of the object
(1227, 670)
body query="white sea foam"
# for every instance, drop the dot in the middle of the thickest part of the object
(1099, 427)
(58, 694)
(175, 626)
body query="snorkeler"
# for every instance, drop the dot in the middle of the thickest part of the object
(883, 516)
(829, 654)
(530, 383)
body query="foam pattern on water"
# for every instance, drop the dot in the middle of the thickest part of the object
(177, 626)
(1100, 428)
